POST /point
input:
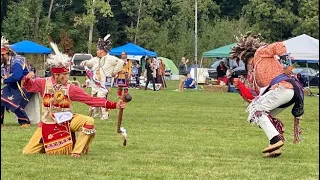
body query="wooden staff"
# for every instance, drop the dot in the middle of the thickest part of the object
(125, 98)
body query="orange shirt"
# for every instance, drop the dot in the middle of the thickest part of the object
(266, 67)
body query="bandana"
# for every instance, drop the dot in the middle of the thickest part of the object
(58, 70)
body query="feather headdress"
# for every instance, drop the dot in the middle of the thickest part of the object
(246, 46)
(4, 41)
(105, 43)
(5, 47)
(58, 62)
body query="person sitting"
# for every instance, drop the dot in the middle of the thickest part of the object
(75, 82)
(190, 83)
(221, 73)
(302, 80)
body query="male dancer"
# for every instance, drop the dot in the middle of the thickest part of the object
(13, 97)
(104, 67)
(54, 132)
(270, 66)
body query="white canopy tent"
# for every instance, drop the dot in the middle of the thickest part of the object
(303, 48)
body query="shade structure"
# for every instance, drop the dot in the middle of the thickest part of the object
(30, 47)
(303, 48)
(132, 49)
(223, 51)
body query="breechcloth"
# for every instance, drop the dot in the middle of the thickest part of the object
(12, 99)
(79, 123)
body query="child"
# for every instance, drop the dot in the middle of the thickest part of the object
(142, 80)
(134, 75)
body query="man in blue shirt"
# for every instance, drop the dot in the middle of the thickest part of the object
(13, 97)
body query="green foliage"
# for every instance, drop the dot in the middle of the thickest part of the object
(166, 27)
(274, 19)
(308, 21)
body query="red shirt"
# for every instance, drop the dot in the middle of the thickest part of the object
(75, 93)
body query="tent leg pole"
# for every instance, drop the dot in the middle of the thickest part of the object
(308, 76)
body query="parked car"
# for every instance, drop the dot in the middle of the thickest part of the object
(75, 67)
(314, 81)
(305, 71)
(213, 69)
(308, 73)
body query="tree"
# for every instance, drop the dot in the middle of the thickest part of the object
(66, 43)
(308, 20)
(275, 20)
(89, 19)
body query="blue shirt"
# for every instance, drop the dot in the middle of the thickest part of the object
(188, 82)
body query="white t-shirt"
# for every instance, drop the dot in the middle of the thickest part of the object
(142, 80)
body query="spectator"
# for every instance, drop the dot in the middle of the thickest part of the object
(237, 68)
(182, 73)
(138, 66)
(142, 80)
(161, 72)
(134, 76)
(302, 80)
(41, 72)
(47, 73)
(150, 74)
(221, 73)
(190, 83)
(75, 82)
(86, 83)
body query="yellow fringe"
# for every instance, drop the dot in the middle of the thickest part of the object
(60, 151)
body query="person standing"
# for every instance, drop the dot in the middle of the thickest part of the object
(104, 67)
(150, 76)
(13, 97)
(161, 72)
(183, 72)
(124, 75)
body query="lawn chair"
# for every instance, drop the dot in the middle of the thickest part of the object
(167, 74)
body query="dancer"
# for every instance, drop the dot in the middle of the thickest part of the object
(54, 132)
(269, 67)
(13, 97)
(104, 67)
(124, 75)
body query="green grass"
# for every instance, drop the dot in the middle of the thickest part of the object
(172, 135)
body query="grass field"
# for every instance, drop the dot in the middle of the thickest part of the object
(172, 135)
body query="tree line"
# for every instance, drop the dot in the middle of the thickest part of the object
(163, 26)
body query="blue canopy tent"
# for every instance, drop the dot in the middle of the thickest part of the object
(29, 47)
(132, 49)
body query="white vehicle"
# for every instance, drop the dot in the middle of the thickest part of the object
(75, 67)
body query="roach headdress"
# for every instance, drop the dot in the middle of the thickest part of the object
(246, 46)
(105, 43)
